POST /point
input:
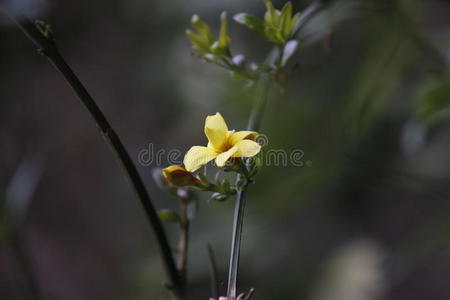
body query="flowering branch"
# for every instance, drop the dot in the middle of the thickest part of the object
(257, 112)
(41, 37)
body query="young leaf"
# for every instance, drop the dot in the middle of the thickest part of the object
(294, 22)
(224, 39)
(226, 186)
(285, 22)
(273, 34)
(270, 17)
(45, 29)
(202, 177)
(252, 22)
(203, 29)
(198, 42)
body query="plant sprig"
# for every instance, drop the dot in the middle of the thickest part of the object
(277, 27)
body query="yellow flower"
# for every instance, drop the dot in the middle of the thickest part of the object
(179, 176)
(222, 145)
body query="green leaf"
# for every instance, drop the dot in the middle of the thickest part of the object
(219, 51)
(285, 22)
(270, 17)
(294, 22)
(226, 186)
(169, 216)
(197, 41)
(224, 39)
(251, 22)
(45, 29)
(202, 177)
(273, 34)
(203, 29)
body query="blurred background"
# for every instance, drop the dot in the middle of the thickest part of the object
(366, 99)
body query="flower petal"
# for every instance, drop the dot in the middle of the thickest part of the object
(198, 156)
(247, 148)
(241, 135)
(216, 131)
(222, 158)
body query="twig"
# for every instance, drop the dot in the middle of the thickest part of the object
(236, 243)
(249, 294)
(47, 47)
(183, 242)
(213, 272)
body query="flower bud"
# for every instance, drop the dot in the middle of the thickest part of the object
(179, 176)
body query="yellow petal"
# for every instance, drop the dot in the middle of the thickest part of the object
(223, 157)
(216, 121)
(198, 156)
(246, 148)
(216, 131)
(241, 135)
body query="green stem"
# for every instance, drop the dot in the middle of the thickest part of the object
(236, 244)
(254, 124)
(279, 63)
(48, 48)
(262, 95)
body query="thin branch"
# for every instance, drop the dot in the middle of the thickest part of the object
(48, 48)
(183, 242)
(213, 273)
(249, 294)
(236, 244)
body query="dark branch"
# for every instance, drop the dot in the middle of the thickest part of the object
(48, 48)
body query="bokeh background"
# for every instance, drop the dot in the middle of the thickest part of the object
(366, 98)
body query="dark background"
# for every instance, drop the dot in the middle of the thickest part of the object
(365, 98)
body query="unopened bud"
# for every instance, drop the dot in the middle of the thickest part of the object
(179, 176)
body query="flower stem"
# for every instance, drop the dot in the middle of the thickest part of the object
(262, 95)
(48, 49)
(254, 123)
(236, 244)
